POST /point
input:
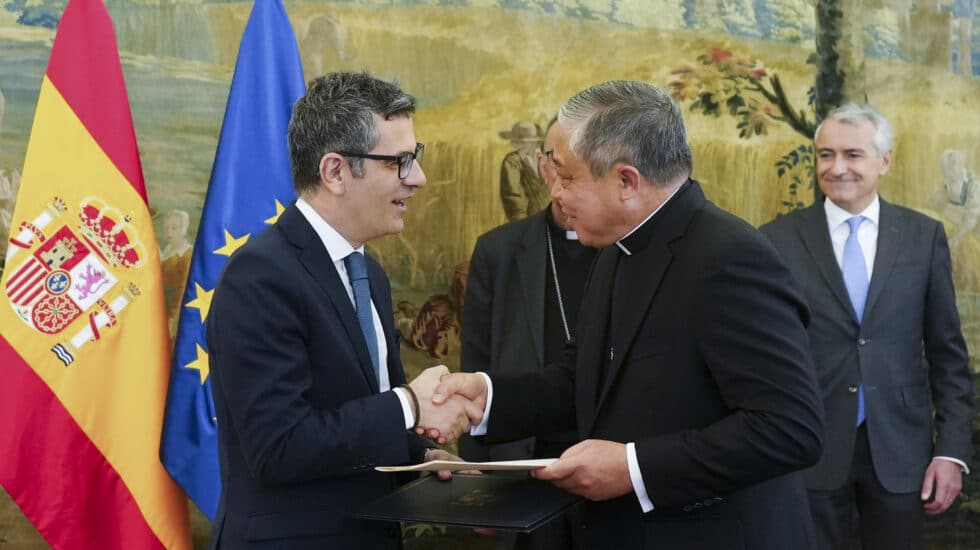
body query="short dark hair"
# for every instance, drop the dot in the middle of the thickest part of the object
(632, 122)
(337, 114)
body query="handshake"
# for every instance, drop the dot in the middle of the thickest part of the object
(448, 403)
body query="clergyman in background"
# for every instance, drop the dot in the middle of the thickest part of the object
(522, 301)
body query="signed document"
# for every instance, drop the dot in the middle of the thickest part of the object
(456, 466)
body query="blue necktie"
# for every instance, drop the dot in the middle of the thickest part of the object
(357, 271)
(856, 280)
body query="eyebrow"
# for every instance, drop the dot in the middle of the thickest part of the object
(847, 150)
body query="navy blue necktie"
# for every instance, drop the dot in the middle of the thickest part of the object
(856, 280)
(357, 272)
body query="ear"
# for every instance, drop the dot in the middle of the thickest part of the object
(542, 163)
(629, 181)
(886, 163)
(331, 173)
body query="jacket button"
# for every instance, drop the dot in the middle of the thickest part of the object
(852, 389)
(687, 508)
(863, 341)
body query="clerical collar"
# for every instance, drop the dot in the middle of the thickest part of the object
(637, 238)
(556, 229)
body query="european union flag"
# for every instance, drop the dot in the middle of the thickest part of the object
(250, 184)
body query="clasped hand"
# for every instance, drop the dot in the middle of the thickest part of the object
(444, 417)
(594, 469)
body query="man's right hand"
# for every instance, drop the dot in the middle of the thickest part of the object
(445, 420)
(470, 387)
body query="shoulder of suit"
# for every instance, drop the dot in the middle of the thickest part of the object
(907, 215)
(783, 222)
(270, 242)
(724, 220)
(718, 233)
(512, 231)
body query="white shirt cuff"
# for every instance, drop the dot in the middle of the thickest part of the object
(481, 428)
(636, 478)
(406, 407)
(963, 466)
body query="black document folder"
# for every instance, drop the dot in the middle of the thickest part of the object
(490, 501)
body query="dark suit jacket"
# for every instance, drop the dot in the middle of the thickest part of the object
(909, 321)
(503, 315)
(710, 377)
(301, 424)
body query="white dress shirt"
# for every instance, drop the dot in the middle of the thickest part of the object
(867, 232)
(338, 248)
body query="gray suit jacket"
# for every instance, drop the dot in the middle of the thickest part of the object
(503, 314)
(908, 352)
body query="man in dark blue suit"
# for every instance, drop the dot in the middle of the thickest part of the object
(522, 301)
(309, 389)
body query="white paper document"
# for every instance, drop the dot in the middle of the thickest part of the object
(455, 466)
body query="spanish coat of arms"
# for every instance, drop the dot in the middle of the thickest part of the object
(72, 271)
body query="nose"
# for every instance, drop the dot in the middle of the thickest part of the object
(416, 176)
(554, 188)
(839, 166)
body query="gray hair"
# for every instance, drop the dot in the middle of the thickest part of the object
(857, 113)
(632, 122)
(337, 114)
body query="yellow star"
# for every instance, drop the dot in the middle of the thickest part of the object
(232, 243)
(200, 364)
(202, 301)
(279, 210)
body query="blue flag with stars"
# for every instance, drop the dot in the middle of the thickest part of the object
(250, 183)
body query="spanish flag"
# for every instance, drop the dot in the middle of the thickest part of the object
(84, 356)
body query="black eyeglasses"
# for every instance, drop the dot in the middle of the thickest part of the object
(404, 160)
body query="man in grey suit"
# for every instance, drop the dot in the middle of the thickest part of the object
(522, 300)
(886, 340)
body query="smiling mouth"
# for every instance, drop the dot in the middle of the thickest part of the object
(401, 203)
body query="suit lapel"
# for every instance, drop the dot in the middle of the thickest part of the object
(532, 270)
(317, 262)
(592, 335)
(889, 243)
(640, 277)
(816, 238)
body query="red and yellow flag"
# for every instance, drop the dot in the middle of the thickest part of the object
(84, 358)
